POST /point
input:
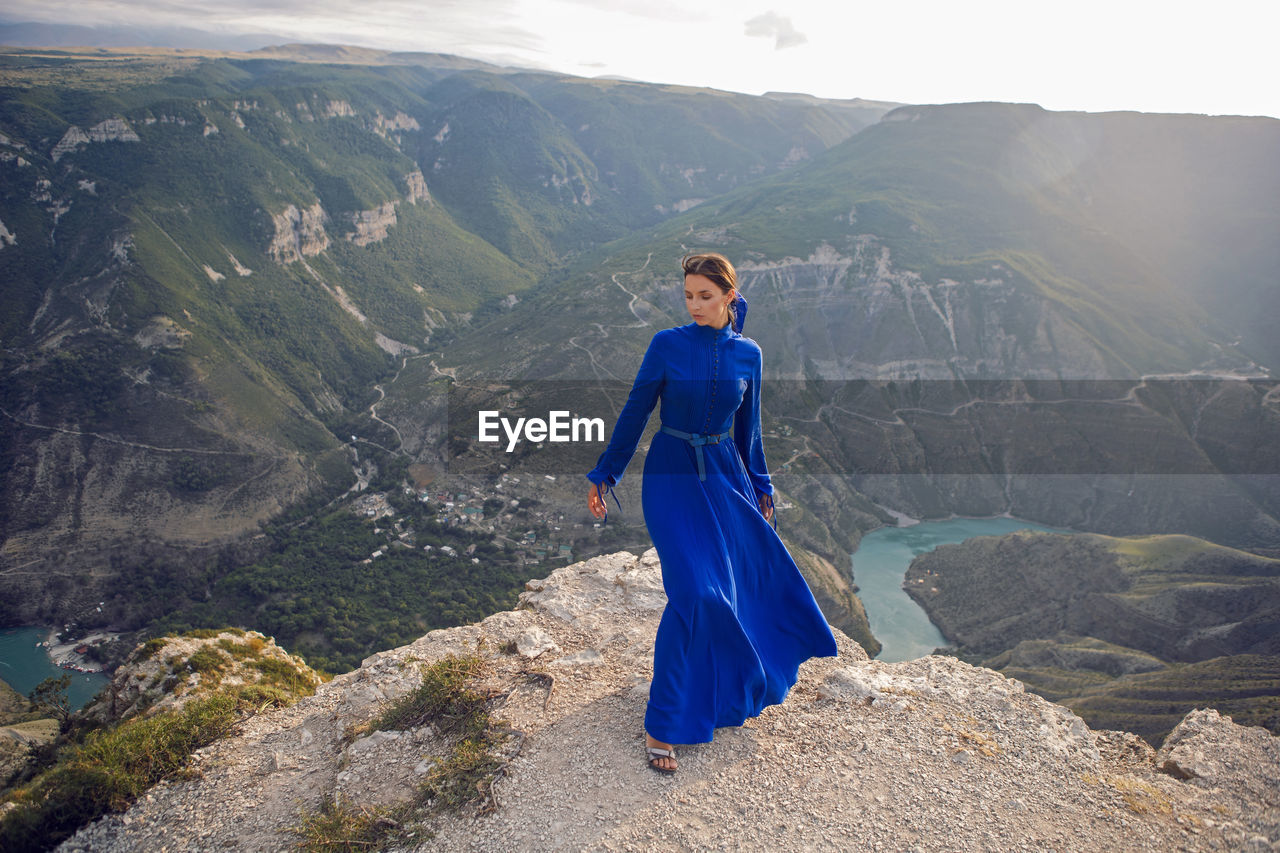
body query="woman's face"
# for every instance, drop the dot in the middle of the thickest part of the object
(707, 304)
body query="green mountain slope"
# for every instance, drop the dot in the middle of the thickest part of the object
(211, 261)
(1175, 597)
(1130, 633)
(543, 165)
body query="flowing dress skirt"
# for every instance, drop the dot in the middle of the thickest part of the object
(740, 618)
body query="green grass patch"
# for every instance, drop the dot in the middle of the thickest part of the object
(339, 827)
(250, 648)
(208, 662)
(111, 769)
(465, 776)
(445, 698)
(204, 633)
(280, 672)
(148, 650)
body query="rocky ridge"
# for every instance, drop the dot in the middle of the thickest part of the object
(928, 754)
(165, 673)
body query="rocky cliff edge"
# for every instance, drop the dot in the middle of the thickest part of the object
(931, 754)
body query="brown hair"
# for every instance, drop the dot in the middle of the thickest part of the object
(717, 268)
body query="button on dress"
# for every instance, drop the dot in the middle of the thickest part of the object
(740, 618)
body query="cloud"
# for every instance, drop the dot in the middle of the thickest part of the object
(450, 26)
(674, 11)
(772, 25)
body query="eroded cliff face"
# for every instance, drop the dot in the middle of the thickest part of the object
(861, 315)
(416, 187)
(298, 233)
(107, 130)
(931, 753)
(371, 226)
(301, 233)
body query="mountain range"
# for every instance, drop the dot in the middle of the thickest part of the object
(211, 263)
(239, 285)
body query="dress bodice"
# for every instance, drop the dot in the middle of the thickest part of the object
(708, 380)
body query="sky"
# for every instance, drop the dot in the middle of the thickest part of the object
(1094, 55)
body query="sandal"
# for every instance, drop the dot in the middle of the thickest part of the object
(654, 754)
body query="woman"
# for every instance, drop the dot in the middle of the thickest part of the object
(739, 618)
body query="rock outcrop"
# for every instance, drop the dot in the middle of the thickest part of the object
(162, 332)
(109, 130)
(335, 109)
(927, 754)
(416, 187)
(388, 125)
(298, 234)
(164, 674)
(371, 226)
(112, 130)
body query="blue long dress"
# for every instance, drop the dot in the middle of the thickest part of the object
(740, 618)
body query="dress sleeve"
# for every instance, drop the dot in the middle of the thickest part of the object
(746, 433)
(632, 420)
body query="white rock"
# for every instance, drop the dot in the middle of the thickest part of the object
(535, 642)
(586, 657)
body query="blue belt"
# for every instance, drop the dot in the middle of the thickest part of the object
(697, 439)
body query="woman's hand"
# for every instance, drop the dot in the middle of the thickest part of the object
(766, 506)
(594, 502)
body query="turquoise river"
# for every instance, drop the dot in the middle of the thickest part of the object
(880, 565)
(23, 665)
